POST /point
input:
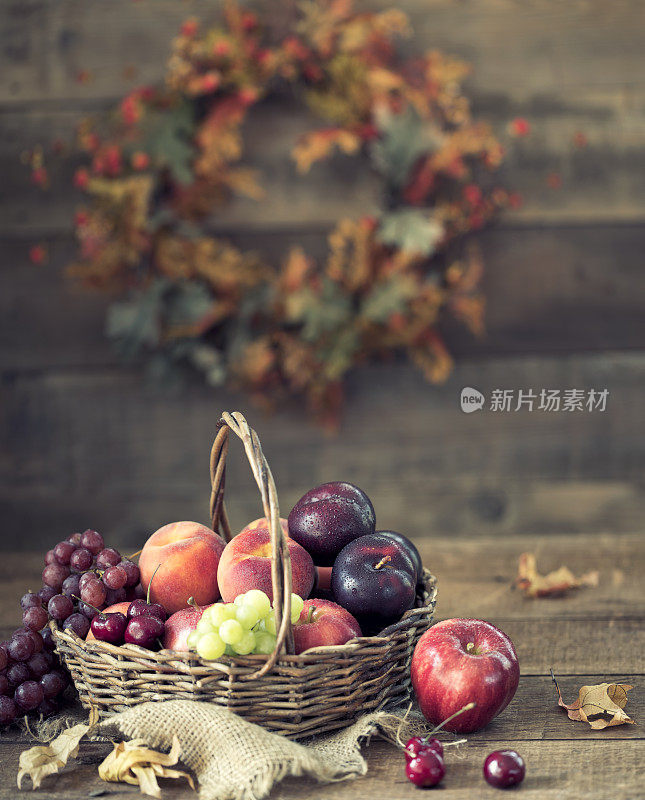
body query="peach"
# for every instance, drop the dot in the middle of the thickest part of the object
(263, 522)
(246, 564)
(187, 555)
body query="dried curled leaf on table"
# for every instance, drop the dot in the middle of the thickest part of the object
(133, 762)
(554, 584)
(39, 762)
(602, 705)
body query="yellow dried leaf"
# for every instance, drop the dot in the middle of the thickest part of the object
(135, 763)
(554, 583)
(319, 144)
(601, 705)
(43, 760)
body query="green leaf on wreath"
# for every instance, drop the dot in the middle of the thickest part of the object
(168, 140)
(339, 355)
(319, 313)
(135, 323)
(411, 230)
(188, 304)
(390, 297)
(404, 138)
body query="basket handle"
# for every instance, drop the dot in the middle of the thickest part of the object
(280, 558)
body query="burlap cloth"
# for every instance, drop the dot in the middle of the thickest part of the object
(236, 760)
(233, 759)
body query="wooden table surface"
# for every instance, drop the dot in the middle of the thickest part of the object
(590, 636)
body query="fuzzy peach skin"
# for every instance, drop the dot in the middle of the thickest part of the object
(323, 623)
(189, 554)
(122, 607)
(263, 522)
(246, 564)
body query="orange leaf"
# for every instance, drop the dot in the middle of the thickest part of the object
(319, 144)
(601, 705)
(554, 583)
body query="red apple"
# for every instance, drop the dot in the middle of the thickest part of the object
(323, 623)
(179, 626)
(459, 661)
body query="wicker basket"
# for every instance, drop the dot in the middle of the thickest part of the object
(320, 690)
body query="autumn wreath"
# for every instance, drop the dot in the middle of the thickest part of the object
(169, 157)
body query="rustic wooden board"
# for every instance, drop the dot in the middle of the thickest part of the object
(601, 182)
(578, 764)
(567, 69)
(101, 449)
(558, 290)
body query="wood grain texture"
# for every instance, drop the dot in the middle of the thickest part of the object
(599, 640)
(558, 770)
(101, 449)
(567, 68)
(558, 290)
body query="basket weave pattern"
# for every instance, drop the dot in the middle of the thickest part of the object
(295, 695)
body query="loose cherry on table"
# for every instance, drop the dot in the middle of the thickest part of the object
(426, 769)
(418, 744)
(504, 768)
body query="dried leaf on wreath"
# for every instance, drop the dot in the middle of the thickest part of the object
(135, 763)
(313, 146)
(601, 705)
(43, 760)
(554, 584)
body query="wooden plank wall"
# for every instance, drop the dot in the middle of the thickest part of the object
(83, 441)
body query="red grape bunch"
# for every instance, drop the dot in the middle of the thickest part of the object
(80, 576)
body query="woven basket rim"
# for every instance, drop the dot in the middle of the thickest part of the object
(190, 660)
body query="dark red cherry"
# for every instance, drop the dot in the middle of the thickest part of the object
(144, 631)
(426, 769)
(418, 744)
(504, 768)
(140, 607)
(109, 627)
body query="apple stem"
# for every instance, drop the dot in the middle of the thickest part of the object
(467, 707)
(310, 614)
(150, 584)
(385, 560)
(191, 600)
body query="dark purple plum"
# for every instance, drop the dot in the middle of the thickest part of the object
(409, 548)
(330, 516)
(374, 578)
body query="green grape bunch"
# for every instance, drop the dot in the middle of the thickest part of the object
(240, 628)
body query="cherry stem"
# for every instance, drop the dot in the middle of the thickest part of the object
(98, 610)
(385, 560)
(150, 584)
(467, 707)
